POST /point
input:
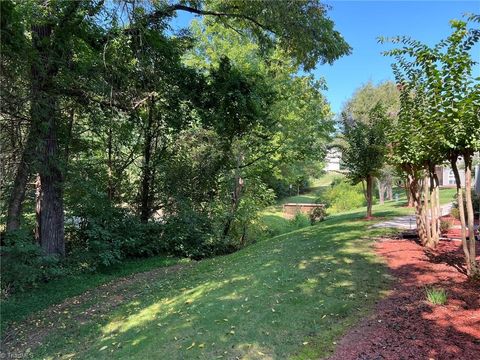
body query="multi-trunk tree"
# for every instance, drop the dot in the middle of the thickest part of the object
(440, 102)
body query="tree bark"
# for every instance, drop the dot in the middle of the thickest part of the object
(369, 196)
(389, 190)
(145, 203)
(48, 161)
(381, 192)
(461, 209)
(470, 213)
(428, 230)
(236, 195)
(38, 221)
(408, 190)
(22, 175)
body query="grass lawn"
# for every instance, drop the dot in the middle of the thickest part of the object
(288, 296)
(17, 307)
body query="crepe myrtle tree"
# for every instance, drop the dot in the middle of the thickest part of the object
(451, 104)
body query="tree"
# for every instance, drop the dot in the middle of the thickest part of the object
(439, 89)
(365, 148)
(359, 106)
(66, 43)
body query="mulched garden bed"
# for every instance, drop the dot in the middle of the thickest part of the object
(454, 231)
(404, 325)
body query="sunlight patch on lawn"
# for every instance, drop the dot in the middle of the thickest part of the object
(163, 308)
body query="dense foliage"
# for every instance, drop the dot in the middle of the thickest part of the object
(123, 137)
(438, 122)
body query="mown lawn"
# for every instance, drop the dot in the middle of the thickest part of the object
(288, 296)
(21, 305)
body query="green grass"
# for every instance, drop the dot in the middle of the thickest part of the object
(436, 296)
(447, 195)
(288, 296)
(20, 305)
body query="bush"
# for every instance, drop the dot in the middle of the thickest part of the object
(342, 196)
(23, 264)
(188, 233)
(444, 226)
(300, 220)
(318, 214)
(475, 202)
(455, 213)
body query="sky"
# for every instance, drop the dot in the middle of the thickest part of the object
(361, 22)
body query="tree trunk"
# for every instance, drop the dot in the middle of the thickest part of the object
(428, 230)
(38, 221)
(408, 190)
(110, 170)
(461, 210)
(434, 215)
(44, 113)
(381, 192)
(236, 194)
(389, 190)
(145, 203)
(470, 213)
(416, 197)
(17, 195)
(369, 196)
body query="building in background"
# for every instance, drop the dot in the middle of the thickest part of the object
(332, 160)
(446, 178)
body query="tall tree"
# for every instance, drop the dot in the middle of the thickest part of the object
(441, 77)
(365, 149)
(359, 106)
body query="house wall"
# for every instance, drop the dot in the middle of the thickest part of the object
(332, 160)
(449, 178)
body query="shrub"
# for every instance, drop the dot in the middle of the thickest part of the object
(475, 202)
(299, 221)
(342, 196)
(188, 233)
(23, 265)
(455, 213)
(436, 296)
(318, 214)
(444, 226)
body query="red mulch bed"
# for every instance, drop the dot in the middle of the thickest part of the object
(404, 325)
(455, 232)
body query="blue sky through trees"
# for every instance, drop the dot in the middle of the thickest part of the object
(361, 22)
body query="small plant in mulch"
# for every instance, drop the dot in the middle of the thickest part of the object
(445, 226)
(455, 213)
(436, 296)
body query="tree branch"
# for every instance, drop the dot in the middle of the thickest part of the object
(179, 7)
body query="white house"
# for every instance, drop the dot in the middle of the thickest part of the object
(446, 178)
(332, 160)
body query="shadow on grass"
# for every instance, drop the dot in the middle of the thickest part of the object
(263, 302)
